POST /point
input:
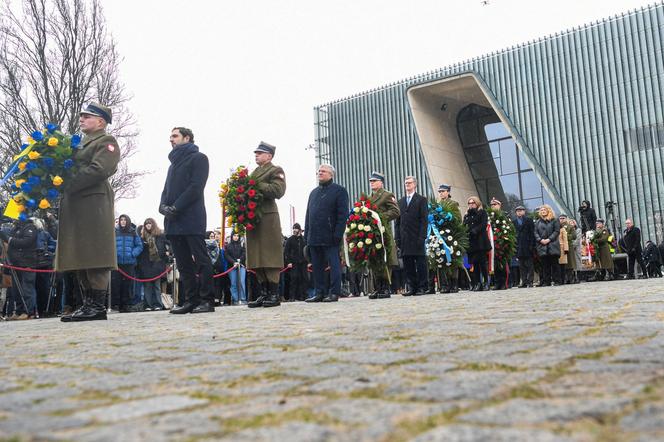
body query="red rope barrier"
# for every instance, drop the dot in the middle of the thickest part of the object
(219, 275)
(27, 269)
(168, 269)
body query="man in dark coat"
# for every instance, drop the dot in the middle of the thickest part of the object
(297, 265)
(22, 252)
(86, 231)
(410, 234)
(653, 260)
(325, 221)
(265, 250)
(183, 206)
(632, 243)
(525, 246)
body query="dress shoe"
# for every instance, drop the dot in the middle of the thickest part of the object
(409, 293)
(523, 286)
(204, 307)
(431, 292)
(258, 302)
(187, 307)
(90, 314)
(318, 297)
(374, 295)
(331, 298)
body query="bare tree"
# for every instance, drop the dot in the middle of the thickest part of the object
(55, 56)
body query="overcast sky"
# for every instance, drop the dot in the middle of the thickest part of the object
(241, 72)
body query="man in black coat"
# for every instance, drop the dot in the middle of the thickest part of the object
(632, 242)
(22, 252)
(588, 217)
(183, 207)
(411, 233)
(297, 263)
(525, 246)
(325, 222)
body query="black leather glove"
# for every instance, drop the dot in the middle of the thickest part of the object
(167, 211)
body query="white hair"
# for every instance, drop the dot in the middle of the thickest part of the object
(328, 167)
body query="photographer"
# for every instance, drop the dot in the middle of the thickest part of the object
(22, 252)
(588, 217)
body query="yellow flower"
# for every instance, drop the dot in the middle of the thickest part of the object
(44, 204)
(57, 180)
(52, 141)
(21, 166)
(20, 207)
(30, 140)
(20, 182)
(34, 155)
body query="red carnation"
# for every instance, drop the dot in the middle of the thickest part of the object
(240, 189)
(361, 234)
(252, 182)
(238, 198)
(370, 235)
(357, 204)
(251, 193)
(241, 208)
(375, 221)
(251, 215)
(249, 226)
(368, 205)
(240, 218)
(251, 205)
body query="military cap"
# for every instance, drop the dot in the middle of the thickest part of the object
(444, 187)
(495, 201)
(599, 220)
(519, 208)
(265, 147)
(98, 110)
(562, 215)
(377, 176)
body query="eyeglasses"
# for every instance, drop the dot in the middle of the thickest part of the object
(495, 204)
(471, 202)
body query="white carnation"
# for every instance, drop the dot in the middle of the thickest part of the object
(367, 228)
(364, 210)
(353, 225)
(351, 245)
(379, 246)
(368, 241)
(360, 244)
(356, 210)
(360, 227)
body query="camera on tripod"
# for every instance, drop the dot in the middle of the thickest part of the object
(609, 205)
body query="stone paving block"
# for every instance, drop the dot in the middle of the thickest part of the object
(465, 433)
(648, 418)
(526, 411)
(291, 432)
(139, 408)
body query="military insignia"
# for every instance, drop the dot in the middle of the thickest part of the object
(281, 175)
(394, 200)
(110, 148)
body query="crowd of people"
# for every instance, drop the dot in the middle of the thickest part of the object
(80, 264)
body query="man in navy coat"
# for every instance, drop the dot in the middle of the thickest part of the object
(325, 222)
(185, 219)
(411, 233)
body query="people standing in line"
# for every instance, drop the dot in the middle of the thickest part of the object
(653, 260)
(235, 257)
(388, 209)
(634, 250)
(547, 231)
(411, 234)
(183, 206)
(605, 261)
(325, 222)
(265, 250)
(588, 217)
(563, 239)
(86, 231)
(128, 247)
(476, 219)
(152, 263)
(296, 262)
(525, 246)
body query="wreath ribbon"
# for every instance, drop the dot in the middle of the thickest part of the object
(446, 248)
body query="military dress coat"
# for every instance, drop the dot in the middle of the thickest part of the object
(86, 231)
(387, 207)
(564, 246)
(265, 243)
(571, 241)
(605, 258)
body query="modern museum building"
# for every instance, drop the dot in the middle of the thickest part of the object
(575, 116)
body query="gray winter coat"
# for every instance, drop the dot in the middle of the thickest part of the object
(547, 230)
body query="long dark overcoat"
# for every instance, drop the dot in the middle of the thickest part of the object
(525, 237)
(184, 189)
(388, 209)
(265, 243)
(411, 225)
(478, 238)
(327, 212)
(86, 231)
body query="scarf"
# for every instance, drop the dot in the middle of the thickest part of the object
(152, 247)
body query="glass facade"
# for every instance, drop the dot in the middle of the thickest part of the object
(497, 166)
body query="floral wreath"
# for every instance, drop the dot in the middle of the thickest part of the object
(504, 238)
(364, 241)
(241, 199)
(447, 237)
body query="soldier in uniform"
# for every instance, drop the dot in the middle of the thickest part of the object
(265, 251)
(389, 211)
(602, 236)
(450, 279)
(86, 232)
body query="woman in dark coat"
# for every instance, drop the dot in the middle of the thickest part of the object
(547, 230)
(476, 220)
(588, 217)
(152, 263)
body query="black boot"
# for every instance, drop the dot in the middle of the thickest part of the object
(272, 298)
(331, 298)
(187, 307)
(85, 298)
(258, 302)
(204, 307)
(96, 308)
(317, 297)
(454, 286)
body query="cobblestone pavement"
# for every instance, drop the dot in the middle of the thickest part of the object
(579, 363)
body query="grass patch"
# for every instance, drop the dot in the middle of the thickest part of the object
(487, 366)
(217, 398)
(525, 391)
(597, 354)
(272, 419)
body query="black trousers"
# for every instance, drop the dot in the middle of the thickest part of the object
(500, 278)
(122, 288)
(480, 267)
(298, 282)
(632, 259)
(550, 269)
(192, 260)
(415, 267)
(526, 270)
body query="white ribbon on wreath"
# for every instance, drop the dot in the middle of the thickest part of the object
(374, 215)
